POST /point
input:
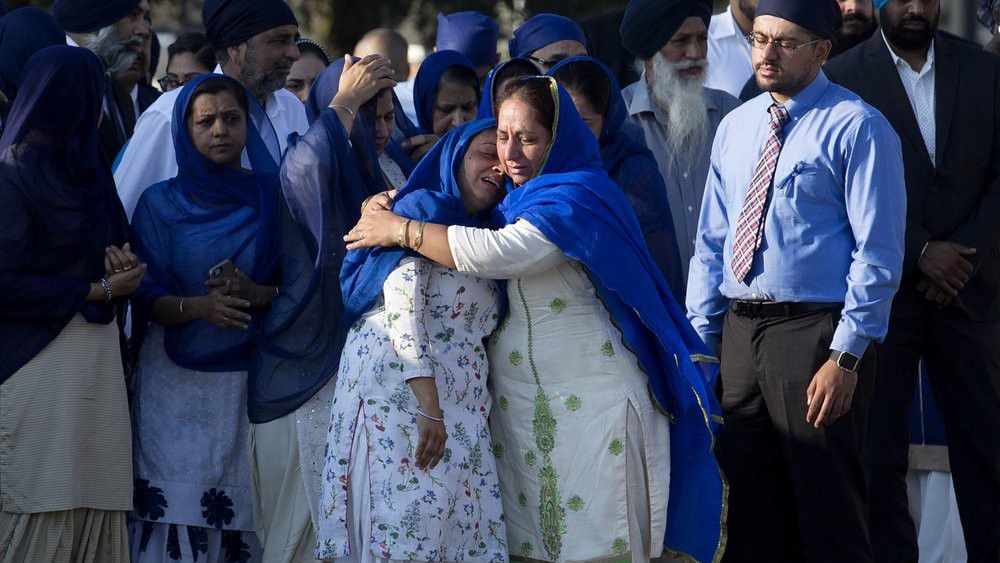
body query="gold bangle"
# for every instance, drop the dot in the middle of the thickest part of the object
(364, 203)
(345, 108)
(406, 237)
(399, 236)
(419, 241)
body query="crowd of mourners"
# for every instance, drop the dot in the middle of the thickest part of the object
(288, 307)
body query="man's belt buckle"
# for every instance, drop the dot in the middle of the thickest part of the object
(749, 309)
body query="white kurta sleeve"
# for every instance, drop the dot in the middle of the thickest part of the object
(148, 158)
(514, 251)
(404, 293)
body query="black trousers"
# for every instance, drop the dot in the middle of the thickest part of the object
(963, 366)
(797, 493)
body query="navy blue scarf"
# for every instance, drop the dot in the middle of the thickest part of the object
(425, 85)
(206, 214)
(23, 33)
(576, 206)
(58, 206)
(325, 176)
(431, 194)
(633, 167)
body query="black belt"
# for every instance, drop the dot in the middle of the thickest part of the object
(764, 310)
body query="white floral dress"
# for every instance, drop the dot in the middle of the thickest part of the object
(431, 323)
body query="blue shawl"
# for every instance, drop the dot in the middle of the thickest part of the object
(58, 206)
(576, 206)
(204, 215)
(633, 167)
(431, 194)
(325, 176)
(23, 33)
(425, 85)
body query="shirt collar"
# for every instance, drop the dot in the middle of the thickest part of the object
(643, 102)
(802, 102)
(899, 62)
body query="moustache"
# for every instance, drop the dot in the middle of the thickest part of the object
(856, 17)
(914, 19)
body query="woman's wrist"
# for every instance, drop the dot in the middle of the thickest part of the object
(346, 101)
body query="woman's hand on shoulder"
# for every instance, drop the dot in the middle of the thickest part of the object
(361, 80)
(419, 145)
(375, 228)
(381, 201)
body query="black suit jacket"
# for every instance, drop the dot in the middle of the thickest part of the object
(956, 197)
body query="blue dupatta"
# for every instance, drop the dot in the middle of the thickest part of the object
(431, 194)
(576, 206)
(633, 167)
(325, 176)
(206, 214)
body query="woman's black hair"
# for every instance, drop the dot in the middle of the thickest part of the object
(536, 92)
(513, 68)
(587, 79)
(196, 44)
(219, 84)
(461, 76)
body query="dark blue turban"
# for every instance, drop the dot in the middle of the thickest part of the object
(471, 33)
(648, 24)
(23, 33)
(88, 16)
(542, 30)
(819, 17)
(231, 22)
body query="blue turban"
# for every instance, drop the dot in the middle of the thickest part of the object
(648, 24)
(471, 33)
(23, 33)
(88, 16)
(231, 22)
(819, 17)
(542, 30)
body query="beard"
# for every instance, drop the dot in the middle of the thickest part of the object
(855, 30)
(681, 98)
(116, 54)
(260, 81)
(910, 38)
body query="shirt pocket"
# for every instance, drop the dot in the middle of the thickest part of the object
(806, 193)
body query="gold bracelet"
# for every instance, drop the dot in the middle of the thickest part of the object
(345, 108)
(420, 236)
(364, 203)
(406, 237)
(399, 236)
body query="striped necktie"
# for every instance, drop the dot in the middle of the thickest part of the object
(750, 229)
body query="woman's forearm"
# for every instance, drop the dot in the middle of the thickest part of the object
(425, 390)
(435, 244)
(167, 311)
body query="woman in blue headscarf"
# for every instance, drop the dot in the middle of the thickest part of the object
(631, 165)
(445, 92)
(346, 156)
(65, 442)
(595, 352)
(23, 33)
(412, 382)
(498, 78)
(210, 235)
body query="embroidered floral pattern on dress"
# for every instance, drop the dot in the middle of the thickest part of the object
(149, 501)
(217, 508)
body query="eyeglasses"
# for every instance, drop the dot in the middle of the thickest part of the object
(783, 46)
(545, 64)
(168, 83)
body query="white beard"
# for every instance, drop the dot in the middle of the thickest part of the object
(682, 100)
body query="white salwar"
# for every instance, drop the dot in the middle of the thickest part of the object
(583, 455)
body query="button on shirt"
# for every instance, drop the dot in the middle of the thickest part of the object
(729, 65)
(834, 223)
(919, 86)
(685, 183)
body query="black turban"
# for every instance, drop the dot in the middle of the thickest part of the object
(88, 16)
(649, 24)
(231, 22)
(820, 17)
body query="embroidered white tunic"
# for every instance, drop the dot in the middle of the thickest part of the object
(432, 323)
(583, 455)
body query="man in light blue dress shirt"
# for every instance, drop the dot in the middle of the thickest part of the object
(799, 253)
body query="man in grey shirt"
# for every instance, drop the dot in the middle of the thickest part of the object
(675, 114)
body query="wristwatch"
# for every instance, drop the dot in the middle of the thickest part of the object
(845, 361)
